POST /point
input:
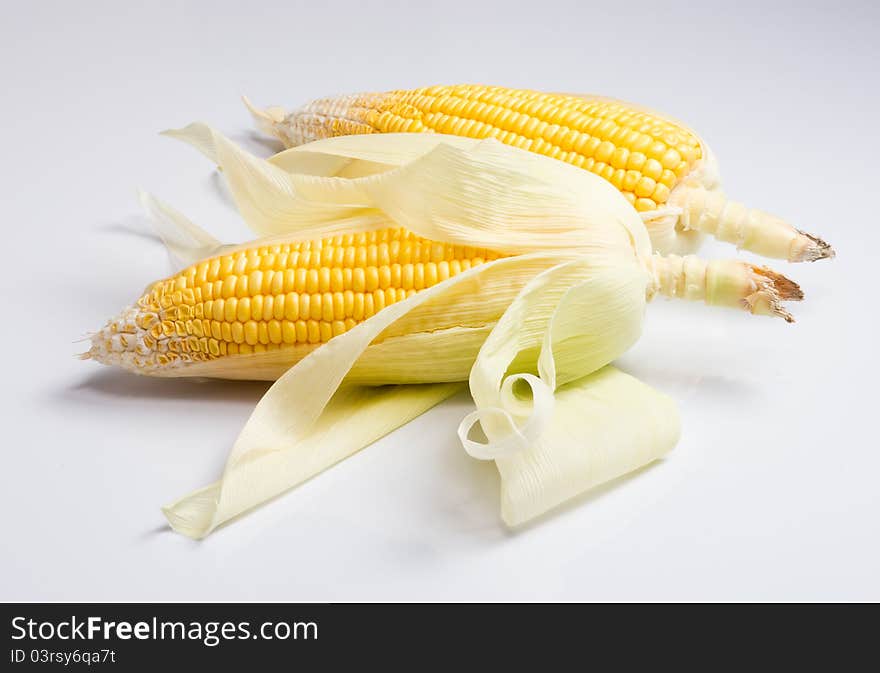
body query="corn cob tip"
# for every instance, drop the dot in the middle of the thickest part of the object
(771, 289)
(720, 282)
(124, 341)
(812, 248)
(784, 287)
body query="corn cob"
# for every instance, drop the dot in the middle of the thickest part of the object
(268, 297)
(660, 166)
(283, 299)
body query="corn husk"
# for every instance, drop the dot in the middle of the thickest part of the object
(568, 300)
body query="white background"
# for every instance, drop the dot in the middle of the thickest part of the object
(772, 492)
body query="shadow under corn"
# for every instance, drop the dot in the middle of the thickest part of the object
(114, 383)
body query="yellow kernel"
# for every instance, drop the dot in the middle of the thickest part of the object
(394, 275)
(407, 276)
(326, 306)
(216, 331)
(323, 279)
(670, 159)
(305, 301)
(369, 308)
(314, 335)
(336, 284)
(645, 187)
(231, 349)
(643, 205)
(404, 255)
(240, 265)
(255, 281)
(269, 303)
(636, 161)
(630, 179)
(657, 149)
(359, 282)
(371, 275)
(326, 331)
(430, 274)
(250, 332)
(213, 347)
(283, 282)
(244, 309)
(291, 306)
(299, 285)
(257, 307)
(316, 306)
(229, 286)
(226, 264)
(213, 269)
(338, 327)
(273, 328)
(619, 157)
(231, 309)
(238, 332)
(357, 311)
(384, 273)
(302, 332)
(661, 193)
(245, 349)
(652, 169)
(288, 332)
(372, 255)
(338, 305)
(241, 287)
(226, 331)
(604, 151)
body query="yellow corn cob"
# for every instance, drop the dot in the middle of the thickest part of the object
(285, 295)
(290, 297)
(662, 168)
